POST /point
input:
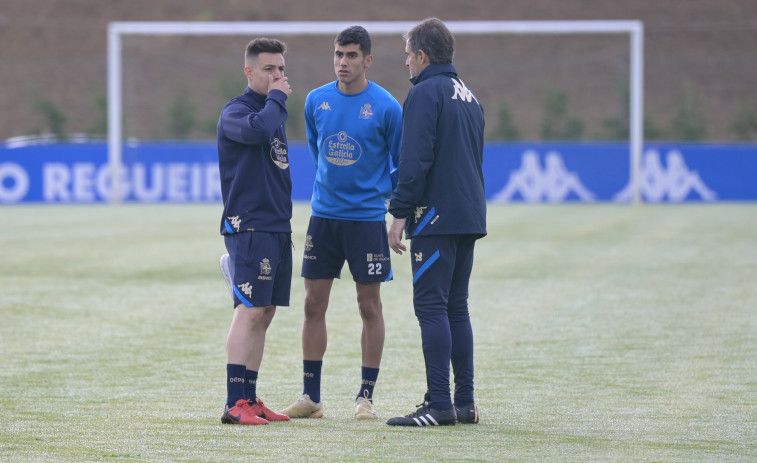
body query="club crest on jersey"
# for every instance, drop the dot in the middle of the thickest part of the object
(341, 149)
(366, 112)
(325, 106)
(279, 153)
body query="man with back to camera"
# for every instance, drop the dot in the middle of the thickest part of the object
(354, 131)
(257, 209)
(441, 204)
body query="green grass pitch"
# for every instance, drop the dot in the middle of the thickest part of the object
(603, 333)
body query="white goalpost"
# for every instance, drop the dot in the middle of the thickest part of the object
(116, 30)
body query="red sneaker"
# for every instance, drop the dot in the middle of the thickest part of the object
(241, 413)
(259, 409)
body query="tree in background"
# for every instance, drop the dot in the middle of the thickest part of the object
(688, 122)
(745, 123)
(99, 127)
(506, 129)
(54, 119)
(557, 123)
(180, 117)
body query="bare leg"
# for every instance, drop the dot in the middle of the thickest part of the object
(314, 336)
(372, 339)
(246, 340)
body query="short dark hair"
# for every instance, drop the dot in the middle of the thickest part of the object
(264, 45)
(355, 34)
(432, 36)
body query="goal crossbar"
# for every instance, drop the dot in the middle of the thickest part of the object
(116, 30)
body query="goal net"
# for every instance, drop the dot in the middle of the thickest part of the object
(168, 80)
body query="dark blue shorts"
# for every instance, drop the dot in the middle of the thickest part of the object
(261, 267)
(364, 245)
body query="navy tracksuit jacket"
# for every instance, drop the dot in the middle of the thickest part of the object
(441, 181)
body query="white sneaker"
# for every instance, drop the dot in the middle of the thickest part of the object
(304, 408)
(226, 272)
(364, 409)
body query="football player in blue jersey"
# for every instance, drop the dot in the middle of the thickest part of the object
(354, 133)
(256, 223)
(440, 205)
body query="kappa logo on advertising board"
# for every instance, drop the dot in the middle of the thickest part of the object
(674, 181)
(553, 183)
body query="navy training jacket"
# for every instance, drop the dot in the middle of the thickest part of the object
(441, 179)
(253, 162)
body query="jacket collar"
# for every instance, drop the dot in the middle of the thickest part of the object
(432, 70)
(248, 92)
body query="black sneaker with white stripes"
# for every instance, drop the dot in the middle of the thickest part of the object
(425, 416)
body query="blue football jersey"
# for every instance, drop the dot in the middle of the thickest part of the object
(355, 142)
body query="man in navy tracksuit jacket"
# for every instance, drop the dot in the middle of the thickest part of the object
(440, 204)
